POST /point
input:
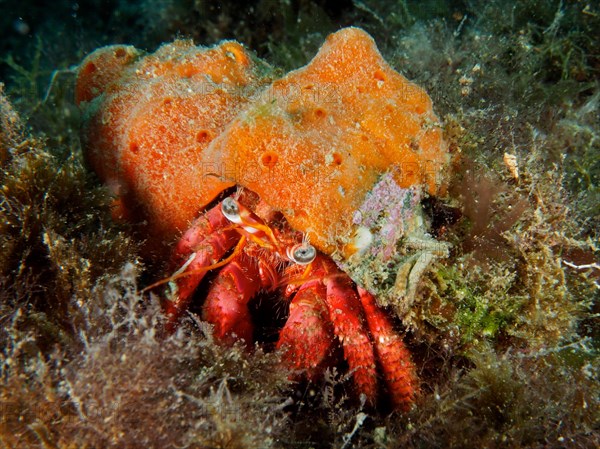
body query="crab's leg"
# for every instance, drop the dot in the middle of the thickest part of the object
(203, 245)
(345, 312)
(307, 335)
(226, 306)
(396, 365)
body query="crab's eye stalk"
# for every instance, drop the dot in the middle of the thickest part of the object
(302, 254)
(231, 210)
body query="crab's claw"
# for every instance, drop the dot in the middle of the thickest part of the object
(226, 306)
(200, 248)
(307, 335)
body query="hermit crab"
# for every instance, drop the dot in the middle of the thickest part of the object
(327, 165)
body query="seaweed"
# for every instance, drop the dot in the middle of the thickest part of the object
(128, 386)
(56, 237)
(508, 400)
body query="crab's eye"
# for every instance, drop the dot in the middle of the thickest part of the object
(231, 210)
(303, 253)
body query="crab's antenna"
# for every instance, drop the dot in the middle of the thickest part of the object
(305, 238)
(181, 273)
(238, 192)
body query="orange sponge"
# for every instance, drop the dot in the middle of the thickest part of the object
(148, 119)
(171, 130)
(319, 139)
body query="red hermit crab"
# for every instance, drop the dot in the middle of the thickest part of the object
(330, 162)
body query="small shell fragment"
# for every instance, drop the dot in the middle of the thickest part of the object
(510, 160)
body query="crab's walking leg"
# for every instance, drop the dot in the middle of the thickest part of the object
(203, 245)
(307, 335)
(226, 306)
(396, 365)
(345, 312)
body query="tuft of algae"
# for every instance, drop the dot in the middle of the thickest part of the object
(504, 331)
(121, 384)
